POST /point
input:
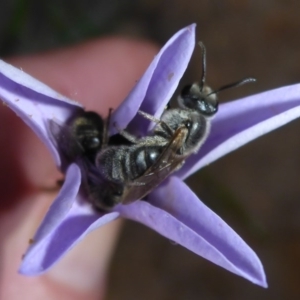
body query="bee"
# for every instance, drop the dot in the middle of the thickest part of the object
(79, 141)
(124, 168)
(138, 168)
(82, 135)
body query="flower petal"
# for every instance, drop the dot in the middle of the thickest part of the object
(67, 222)
(175, 212)
(241, 121)
(34, 102)
(159, 82)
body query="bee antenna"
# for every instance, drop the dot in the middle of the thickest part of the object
(203, 75)
(235, 84)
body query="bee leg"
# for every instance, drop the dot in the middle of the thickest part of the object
(149, 117)
(133, 183)
(131, 138)
(168, 106)
(49, 189)
(60, 182)
(164, 125)
(179, 165)
(105, 129)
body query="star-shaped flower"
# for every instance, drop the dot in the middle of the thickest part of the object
(172, 209)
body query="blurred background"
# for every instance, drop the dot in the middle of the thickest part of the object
(255, 189)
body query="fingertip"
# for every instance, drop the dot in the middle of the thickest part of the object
(98, 73)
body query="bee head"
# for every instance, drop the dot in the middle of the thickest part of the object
(200, 99)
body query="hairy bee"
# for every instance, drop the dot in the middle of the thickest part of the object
(124, 168)
(79, 140)
(82, 136)
(140, 167)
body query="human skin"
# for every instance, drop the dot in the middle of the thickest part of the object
(99, 74)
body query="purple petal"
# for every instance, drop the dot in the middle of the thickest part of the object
(34, 102)
(63, 203)
(159, 82)
(239, 122)
(176, 213)
(68, 220)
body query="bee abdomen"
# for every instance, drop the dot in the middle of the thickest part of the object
(142, 159)
(123, 164)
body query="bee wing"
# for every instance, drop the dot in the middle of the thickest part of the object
(167, 163)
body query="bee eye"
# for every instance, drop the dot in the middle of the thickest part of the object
(199, 99)
(188, 124)
(186, 91)
(209, 105)
(91, 143)
(94, 142)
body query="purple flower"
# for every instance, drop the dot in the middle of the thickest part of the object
(172, 209)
